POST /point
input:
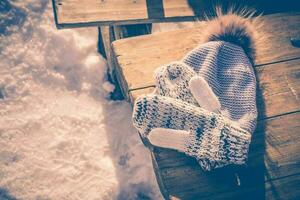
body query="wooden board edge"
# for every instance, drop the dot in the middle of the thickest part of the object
(66, 25)
(54, 7)
(119, 75)
(158, 176)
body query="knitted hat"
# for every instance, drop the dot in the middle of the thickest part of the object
(227, 86)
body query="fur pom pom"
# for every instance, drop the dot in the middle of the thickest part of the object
(237, 27)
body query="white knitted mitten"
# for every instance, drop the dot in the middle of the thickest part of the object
(212, 139)
(172, 80)
(204, 95)
(176, 139)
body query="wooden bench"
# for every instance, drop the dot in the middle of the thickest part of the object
(273, 170)
(274, 166)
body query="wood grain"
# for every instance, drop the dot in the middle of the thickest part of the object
(107, 38)
(138, 57)
(274, 154)
(77, 13)
(278, 88)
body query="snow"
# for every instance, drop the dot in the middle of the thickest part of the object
(60, 135)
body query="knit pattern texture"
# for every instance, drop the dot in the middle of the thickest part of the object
(216, 139)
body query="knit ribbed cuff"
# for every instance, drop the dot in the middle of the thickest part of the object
(223, 145)
(236, 142)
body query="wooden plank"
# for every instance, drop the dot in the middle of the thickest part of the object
(111, 33)
(278, 90)
(280, 189)
(285, 188)
(274, 154)
(77, 13)
(138, 57)
(107, 38)
(108, 35)
(95, 11)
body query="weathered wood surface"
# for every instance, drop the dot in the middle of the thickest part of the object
(139, 57)
(107, 35)
(78, 13)
(274, 154)
(274, 162)
(81, 13)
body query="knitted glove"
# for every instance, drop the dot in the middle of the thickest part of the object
(213, 140)
(173, 79)
(179, 81)
(174, 139)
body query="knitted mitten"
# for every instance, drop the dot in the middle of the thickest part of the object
(172, 80)
(204, 95)
(213, 140)
(174, 139)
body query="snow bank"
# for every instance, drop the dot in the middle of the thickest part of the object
(60, 137)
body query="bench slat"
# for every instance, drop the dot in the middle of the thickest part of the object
(138, 57)
(78, 13)
(285, 188)
(83, 13)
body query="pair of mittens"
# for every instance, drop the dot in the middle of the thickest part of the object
(176, 121)
(207, 136)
